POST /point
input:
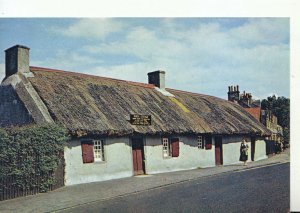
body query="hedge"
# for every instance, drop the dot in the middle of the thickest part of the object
(31, 151)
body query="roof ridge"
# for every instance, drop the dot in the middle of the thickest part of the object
(145, 85)
(34, 68)
(193, 93)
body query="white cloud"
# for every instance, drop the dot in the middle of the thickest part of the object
(65, 60)
(130, 72)
(145, 45)
(261, 31)
(92, 28)
(203, 57)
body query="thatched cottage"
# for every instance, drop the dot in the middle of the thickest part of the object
(121, 128)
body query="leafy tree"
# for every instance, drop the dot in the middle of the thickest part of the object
(280, 107)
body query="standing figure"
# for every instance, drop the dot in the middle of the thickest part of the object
(244, 152)
(277, 147)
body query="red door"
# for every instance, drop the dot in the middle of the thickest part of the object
(218, 150)
(138, 156)
(252, 148)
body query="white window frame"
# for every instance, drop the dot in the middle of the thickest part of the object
(201, 142)
(166, 147)
(99, 150)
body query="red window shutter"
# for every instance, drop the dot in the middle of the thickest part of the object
(208, 142)
(175, 147)
(208, 146)
(87, 148)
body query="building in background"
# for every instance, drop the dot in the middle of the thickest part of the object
(266, 117)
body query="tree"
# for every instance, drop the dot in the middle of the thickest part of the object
(280, 107)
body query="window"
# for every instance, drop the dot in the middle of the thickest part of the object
(98, 150)
(201, 142)
(170, 147)
(92, 151)
(166, 147)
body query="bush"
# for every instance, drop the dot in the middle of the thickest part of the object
(30, 152)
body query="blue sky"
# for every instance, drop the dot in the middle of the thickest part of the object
(202, 55)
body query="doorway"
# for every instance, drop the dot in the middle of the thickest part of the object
(252, 148)
(218, 150)
(138, 156)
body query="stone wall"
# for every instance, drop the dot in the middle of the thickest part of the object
(12, 109)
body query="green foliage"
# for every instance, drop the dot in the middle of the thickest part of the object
(280, 107)
(30, 152)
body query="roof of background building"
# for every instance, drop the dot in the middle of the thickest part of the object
(255, 112)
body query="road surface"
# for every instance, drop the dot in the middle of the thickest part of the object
(264, 190)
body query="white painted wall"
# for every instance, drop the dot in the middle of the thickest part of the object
(260, 150)
(118, 158)
(118, 162)
(231, 149)
(190, 157)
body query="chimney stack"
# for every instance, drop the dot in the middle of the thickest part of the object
(233, 93)
(16, 60)
(157, 78)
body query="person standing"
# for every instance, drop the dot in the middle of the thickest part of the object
(244, 152)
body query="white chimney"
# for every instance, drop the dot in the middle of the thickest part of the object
(157, 78)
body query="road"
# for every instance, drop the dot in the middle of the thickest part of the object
(264, 190)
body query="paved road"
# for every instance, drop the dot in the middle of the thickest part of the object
(254, 190)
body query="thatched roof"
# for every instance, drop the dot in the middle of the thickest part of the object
(88, 104)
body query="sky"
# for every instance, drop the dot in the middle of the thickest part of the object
(201, 55)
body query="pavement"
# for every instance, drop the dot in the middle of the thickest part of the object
(72, 196)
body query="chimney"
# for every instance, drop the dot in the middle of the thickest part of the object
(233, 93)
(157, 78)
(16, 60)
(250, 99)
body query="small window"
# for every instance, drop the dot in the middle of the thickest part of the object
(92, 151)
(166, 147)
(98, 150)
(170, 147)
(201, 142)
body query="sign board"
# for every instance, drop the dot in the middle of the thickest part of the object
(144, 120)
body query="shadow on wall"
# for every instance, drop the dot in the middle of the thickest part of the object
(12, 109)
